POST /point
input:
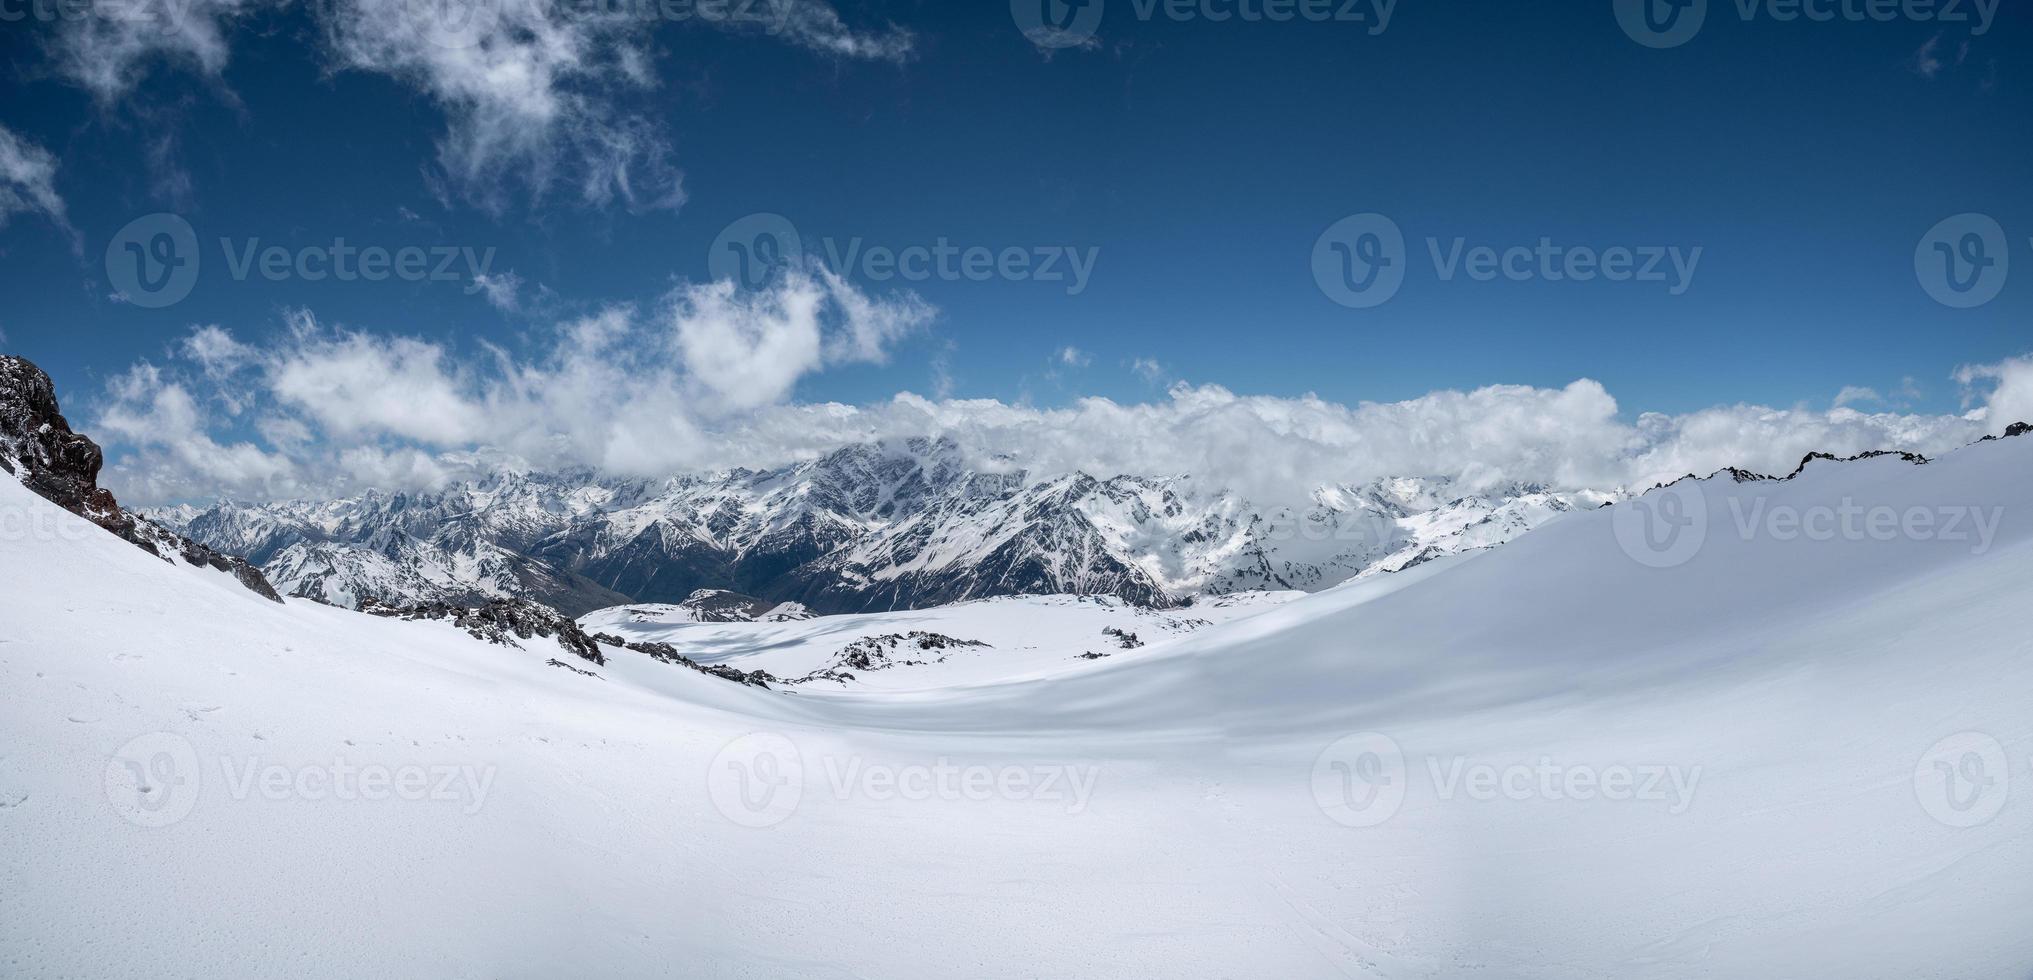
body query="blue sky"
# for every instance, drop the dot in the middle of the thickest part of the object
(1196, 161)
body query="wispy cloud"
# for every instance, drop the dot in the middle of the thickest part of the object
(109, 51)
(1926, 62)
(28, 182)
(503, 292)
(535, 93)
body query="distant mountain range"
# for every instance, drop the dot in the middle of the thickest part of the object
(866, 528)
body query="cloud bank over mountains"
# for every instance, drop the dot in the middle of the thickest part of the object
(706, 381)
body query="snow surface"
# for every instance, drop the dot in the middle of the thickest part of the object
(1025, 636)
(1204, 817)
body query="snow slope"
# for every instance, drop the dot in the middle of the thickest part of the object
(1024, 636)
(1724, 767)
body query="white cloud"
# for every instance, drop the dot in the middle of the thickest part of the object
(28, 181)
(529, 90)
(2005, 390)
(622, 390)
(533, 92)
(109, 50)
(699, 385)
(816, 25)
(1926, 62)
(160, 418)
(1148, 369)
(503, 292)
(1854, 394)
(1073, 357)
(215, 350)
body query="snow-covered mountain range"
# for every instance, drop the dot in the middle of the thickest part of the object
(866, 528)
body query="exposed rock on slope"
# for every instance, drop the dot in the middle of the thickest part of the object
(497, 621)
(913, 649)
(38, 447)
(508, 621)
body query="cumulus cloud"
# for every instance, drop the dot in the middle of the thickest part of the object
(160, 417)
(2004, 391)
(624, 390)
(28, 181)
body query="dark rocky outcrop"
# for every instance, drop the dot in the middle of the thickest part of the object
(665, 653)
(872, 653)
(38, 447)
(505, 621)
(501, 621)
(1914, 458)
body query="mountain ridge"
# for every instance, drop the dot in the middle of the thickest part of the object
(867, 527)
